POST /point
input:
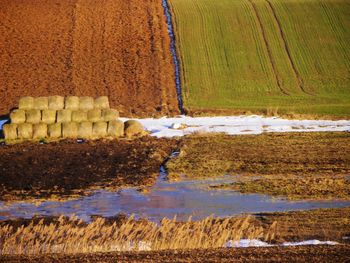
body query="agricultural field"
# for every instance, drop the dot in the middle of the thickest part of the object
(96, 165)
(120, 49)
(290, 57)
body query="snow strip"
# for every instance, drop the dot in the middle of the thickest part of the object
(236, 125)
(259, 243)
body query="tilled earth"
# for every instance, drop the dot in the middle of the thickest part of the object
(44, 170)
(271, 254)
(87, 48)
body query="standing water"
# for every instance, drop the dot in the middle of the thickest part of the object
(164, 199)
(174, 53)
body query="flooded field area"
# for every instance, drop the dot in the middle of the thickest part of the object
(182, 199)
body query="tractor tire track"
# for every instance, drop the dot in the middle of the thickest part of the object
(286, 47)
(268, 48)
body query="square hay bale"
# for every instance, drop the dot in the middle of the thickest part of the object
(41, 103)
(39, 131)
(56, 103)
(110, 115)
(70, 130)
(85, 130)
(71, 103)
(33, 116)
(25, 131)
(18, 116)
(10, 131)
(115, 129)
(86, 103)
(79, 116)
(99, 129)
(48, 116)
(101, 103)
(54, 130)
(64, 116)
(26, 103)
(94, 115)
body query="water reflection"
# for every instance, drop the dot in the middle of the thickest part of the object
(165, 199)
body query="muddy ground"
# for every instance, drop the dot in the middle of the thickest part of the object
(272, 254)
(88, 48)
(65, 168)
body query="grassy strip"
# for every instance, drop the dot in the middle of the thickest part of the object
(295, 188)
(266, 154)
(291, 55)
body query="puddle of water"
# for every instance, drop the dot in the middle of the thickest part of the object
(165, 199)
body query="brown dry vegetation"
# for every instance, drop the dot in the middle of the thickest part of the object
(295, 188)
(266, 154)
(33, 170)
(322, 224)
(87, 48)
(74, 236)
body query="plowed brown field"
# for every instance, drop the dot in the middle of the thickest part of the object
(87, 47)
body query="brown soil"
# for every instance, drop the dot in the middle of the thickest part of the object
(272, 254)
(75, 47)
(35, 170)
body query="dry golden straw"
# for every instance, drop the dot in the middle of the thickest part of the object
(74, 236)
(71, 103)
(18, 116)
(26, 103)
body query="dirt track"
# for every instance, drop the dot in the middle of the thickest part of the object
(272, 254)
(91, 47)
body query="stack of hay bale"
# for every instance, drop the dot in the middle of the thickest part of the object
(72, 117)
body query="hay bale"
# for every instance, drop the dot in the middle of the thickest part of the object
(10, 131)
(110, 115)
(56, 102)
(133, 128)
(39, 131)
(64, 116)
(26, 103)
(86, 103)
(115, 129)
(72, 103)
(70, 130)
(94, 115)
(79, 116)
(48, 116)
(41, 103)
(33, 116)
(85, 130)
(25, 131)
(18, 116)
(99, 129)
(54, 130)
(101, 103)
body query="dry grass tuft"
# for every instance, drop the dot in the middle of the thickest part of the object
(75, 236)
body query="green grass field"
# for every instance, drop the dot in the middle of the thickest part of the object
(251, 55)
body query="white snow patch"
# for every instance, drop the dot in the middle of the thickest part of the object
(310, 242)
(259, 243)
(246, 243)
(236, 125)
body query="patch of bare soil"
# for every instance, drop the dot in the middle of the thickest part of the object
(268, 254)
(88, 48)
(64, 168)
